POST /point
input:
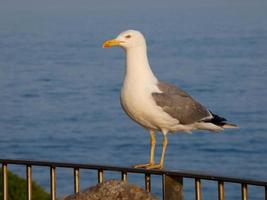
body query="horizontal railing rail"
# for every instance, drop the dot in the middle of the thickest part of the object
(172, 180)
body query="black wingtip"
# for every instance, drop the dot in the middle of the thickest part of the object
(220, 121)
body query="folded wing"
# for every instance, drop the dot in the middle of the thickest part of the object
(180, 105)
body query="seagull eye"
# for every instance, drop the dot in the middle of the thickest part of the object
(128, 36)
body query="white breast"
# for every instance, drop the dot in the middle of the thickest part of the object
(138, 103)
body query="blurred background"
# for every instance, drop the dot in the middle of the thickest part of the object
(59, 90)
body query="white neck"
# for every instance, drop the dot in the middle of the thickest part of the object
(137, 65)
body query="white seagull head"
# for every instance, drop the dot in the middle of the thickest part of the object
(127, 40)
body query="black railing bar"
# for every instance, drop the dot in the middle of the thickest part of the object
(181, 173)
(213, 177)
(77, 165)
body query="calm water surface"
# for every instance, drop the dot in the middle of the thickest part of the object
(60, 90)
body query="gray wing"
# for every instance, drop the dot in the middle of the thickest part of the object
(179, 104)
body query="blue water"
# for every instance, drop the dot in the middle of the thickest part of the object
(60, 90)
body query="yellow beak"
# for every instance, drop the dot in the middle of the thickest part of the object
(110, 43)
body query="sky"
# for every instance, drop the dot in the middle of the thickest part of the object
(130, 4)
(221, 10)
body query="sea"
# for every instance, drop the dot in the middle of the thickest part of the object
(59, 89)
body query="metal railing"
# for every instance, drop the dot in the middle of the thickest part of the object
(172, 181)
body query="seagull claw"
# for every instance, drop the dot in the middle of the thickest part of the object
(155, 166)
(143, 165)
(149, 166)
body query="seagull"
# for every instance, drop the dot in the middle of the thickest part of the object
(157, 105)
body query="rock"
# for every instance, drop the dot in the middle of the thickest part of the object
(113, 190)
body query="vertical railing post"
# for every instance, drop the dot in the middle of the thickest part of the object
(29, 182)
(198, 189)
(172, 187)
(244, 191)
(221, 190)
(124, 176)
(53, 182)
(265, 192)
(148, 182)
(5, 181)
(100, 175)
(76, 180)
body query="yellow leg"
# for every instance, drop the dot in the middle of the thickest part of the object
(164, 146)
(151, 164)
(152, 146)
(152, 151)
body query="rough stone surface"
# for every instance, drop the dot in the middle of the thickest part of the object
(113, 190)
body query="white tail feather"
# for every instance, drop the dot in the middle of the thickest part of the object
(230, 126)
